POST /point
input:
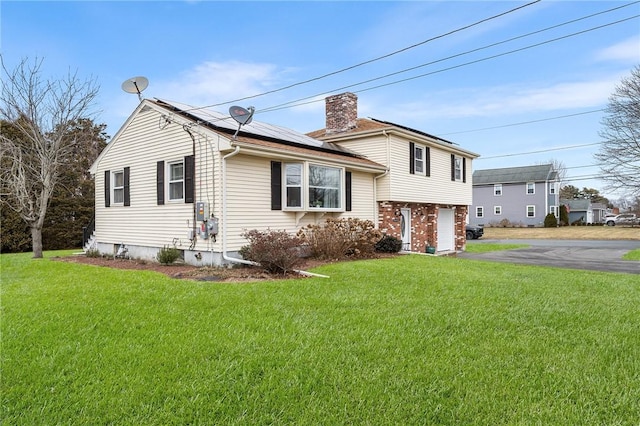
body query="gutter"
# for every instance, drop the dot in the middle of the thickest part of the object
(225, 256)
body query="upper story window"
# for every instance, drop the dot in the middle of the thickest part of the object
(325, 187)
(458, 168)
(497, 189)
(479, 211)
(553, 188)
(419, 161)
(531, 188)
(176, 181)
(118, 187)
(497, 210)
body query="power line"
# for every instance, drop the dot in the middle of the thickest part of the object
(277, 107)
(522, 123)
(540, 151)
(289, 104)
(376, 59)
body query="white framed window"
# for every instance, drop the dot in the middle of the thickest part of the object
(553, 188)
(497, 189)
(117, 179)
(325, 187)
(497, 210)
(531, 211)
(553, 210)
(176, 181)
(419, 160)
(458, 168)
(479, 211)
(531, 188)
(293, 185)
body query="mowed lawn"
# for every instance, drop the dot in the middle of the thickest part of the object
(410, 340)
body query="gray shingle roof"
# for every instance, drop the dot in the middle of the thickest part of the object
(539, 173)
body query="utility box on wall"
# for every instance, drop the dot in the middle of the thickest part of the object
(202, 211)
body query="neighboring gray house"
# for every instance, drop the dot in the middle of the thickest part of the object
(585, 211)
(516, 196)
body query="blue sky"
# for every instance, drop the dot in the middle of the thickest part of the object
(210, 52)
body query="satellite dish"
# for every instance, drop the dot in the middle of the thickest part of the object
(241, 115)
(135, 85)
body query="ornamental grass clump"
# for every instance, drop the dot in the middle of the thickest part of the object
(340, 238)
(277, 252)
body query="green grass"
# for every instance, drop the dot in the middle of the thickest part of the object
(487, 247)
(409, 340)
(632, 255)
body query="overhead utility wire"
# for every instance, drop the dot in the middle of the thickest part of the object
(404, 49)
(540, 151)
(278, 107)
(445, 59)
(521, 123)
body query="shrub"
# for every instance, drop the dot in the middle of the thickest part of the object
(275, 251)
(339, 238)
(389, 244)
(93, 252)
(550, 221)
(167, 255)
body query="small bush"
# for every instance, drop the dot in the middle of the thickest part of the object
(167, 255)
(275, 251)
(339, 238)
(389, 244)
(93, 253)
(550, 221)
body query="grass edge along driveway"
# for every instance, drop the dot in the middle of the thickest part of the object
(410, 340)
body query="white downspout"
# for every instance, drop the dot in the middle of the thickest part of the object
(224, 212)
(376, 208)
(224, 222)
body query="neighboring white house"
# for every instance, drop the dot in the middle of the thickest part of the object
(176, 175)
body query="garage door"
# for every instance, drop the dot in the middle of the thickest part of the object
(446, 230)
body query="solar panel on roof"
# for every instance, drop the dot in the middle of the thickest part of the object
(257, 128)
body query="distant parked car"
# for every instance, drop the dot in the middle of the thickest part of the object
(623, 219)
(474, 232)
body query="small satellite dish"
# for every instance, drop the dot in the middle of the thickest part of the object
(135, 85)
(241, 115)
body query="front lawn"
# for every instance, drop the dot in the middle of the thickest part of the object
(408, 340)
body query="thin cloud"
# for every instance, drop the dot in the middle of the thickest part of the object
(626, 51)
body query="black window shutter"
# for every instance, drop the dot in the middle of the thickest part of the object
(412, 158)
(160, 182)
(347, 190)
(127, 189)
(276, 185)
(107, 188)
(453, 167)
(427, 159)
(464, 170)
(189, 178)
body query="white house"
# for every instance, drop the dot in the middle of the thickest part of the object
(178, 175)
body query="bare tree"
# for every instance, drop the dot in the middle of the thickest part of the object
(35, 139)
(619, 154)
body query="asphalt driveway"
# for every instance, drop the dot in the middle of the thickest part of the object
(596, 255)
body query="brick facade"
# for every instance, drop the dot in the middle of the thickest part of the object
(424, 219)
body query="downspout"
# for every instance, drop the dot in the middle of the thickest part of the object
(187, 128)
(225, 256)
(375, 182)
(224, 212)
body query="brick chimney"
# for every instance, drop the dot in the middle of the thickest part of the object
(341, 112)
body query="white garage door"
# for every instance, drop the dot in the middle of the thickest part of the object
(446, 230)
